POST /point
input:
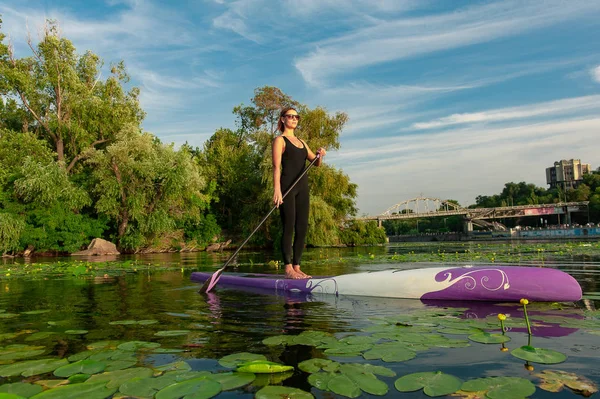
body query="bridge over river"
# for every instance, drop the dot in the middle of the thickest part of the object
(425, 207)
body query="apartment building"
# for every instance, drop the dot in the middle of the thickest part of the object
(566, 174)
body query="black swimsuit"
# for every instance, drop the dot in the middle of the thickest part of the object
(294, 210)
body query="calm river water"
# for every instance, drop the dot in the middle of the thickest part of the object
(231, 321)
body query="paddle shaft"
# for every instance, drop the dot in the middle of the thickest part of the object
(211, 282)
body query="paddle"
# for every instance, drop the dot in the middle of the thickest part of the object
(212, 281)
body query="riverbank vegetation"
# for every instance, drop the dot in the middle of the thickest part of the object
(76, 164)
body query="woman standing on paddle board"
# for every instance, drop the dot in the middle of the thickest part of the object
(289, 159)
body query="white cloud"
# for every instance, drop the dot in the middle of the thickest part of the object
(141, 26)
(408, 37)
(238, 13)
(551, 108)
(595, 72)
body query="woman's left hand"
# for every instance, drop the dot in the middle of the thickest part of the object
(321, 151)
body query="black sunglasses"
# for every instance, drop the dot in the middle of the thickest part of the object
(292, 116)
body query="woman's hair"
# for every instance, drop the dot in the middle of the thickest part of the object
(280, 124)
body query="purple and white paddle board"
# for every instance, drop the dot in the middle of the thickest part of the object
(465, 283)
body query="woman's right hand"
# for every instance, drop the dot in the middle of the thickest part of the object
(277, 198)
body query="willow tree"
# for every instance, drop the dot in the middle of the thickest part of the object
(41, 204)
(60, 96)
(148, 188)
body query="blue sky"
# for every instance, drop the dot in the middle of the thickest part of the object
(446, 99)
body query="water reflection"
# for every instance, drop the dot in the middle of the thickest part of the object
(227, 321)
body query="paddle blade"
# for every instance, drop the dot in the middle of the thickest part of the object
(211, 282)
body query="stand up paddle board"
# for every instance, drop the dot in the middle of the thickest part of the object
(467, 283)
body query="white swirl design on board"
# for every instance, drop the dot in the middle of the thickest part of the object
(324, 286)
(472, 278)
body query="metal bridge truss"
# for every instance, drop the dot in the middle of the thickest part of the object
(421, 205)
(434, 207)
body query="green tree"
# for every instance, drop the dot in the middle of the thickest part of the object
(11, 228)
(41, 205)
(148, 188)
(232, 164)
(61, 97)
(363, 233)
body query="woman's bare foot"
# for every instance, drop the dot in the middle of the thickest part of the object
(291, 273)
(300, 272)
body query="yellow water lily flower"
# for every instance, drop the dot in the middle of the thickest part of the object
(501, 316)
(524, 301)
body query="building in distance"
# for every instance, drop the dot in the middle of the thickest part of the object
(567, 174)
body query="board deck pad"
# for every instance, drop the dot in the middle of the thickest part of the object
(471, 283)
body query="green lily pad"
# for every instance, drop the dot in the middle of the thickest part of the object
(34, 312)
(171, 333)
(76, 332)
(320, 380)
(202, 387)
(459, 331)
(145, 387)
(83, 366)
(176, 366)
(122, 322)
(487, 338)
(5, 336)
(315, 365)
(21, 389)
(231, 381)
(262, 367)
(390, 352)
(377, 370)
(555, 380)
(359, 340)
(538, 355)
(78, 378)
(278, 340)
(8, 315)
(32, 367)
(82, 355)
(18, 351)
(114, 365)
(500, 387)
(114, 379)
(103, 345)
(137, 345)
(40, 335)
(146, 322)
(76, 391)
(10, 396)
(278, 392)
(167, 350)
(364, 379)
(433, 383)
(341, 384)
(235, 359)
(311, 338)
(112, 354)
(347, 349)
